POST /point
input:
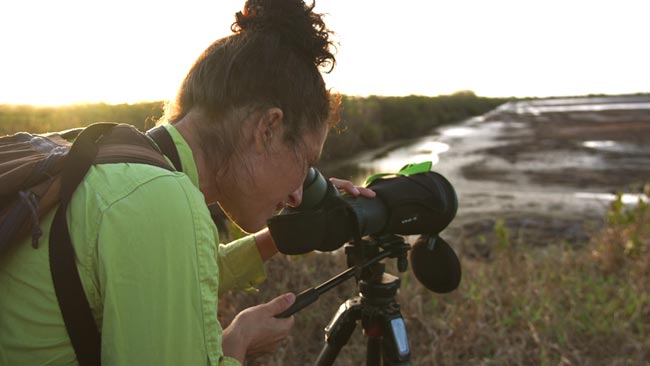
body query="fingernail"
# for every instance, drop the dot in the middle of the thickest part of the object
(290, 297)
(355, 191)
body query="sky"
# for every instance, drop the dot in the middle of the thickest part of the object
(126, 51)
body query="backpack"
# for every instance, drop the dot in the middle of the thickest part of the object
(37, 172)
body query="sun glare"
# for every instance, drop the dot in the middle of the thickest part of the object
(73, 51)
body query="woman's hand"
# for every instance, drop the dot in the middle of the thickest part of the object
(350, 188)
(255, 331)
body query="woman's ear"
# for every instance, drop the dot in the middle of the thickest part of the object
(269, 126)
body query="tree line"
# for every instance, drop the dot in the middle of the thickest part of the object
(16, 118)
(366, 122)
(371, 122)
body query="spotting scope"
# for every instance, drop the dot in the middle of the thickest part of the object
(415, 204)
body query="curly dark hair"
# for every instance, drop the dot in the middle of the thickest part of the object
(273, 59)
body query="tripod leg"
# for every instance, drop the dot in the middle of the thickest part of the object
(373, 351)
(395, 346)
(338, 331)
(388, 343)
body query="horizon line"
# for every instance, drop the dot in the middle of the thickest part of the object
(163, 101)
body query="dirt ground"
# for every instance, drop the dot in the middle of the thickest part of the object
(566, 133)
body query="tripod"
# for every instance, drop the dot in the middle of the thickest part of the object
(375, 306)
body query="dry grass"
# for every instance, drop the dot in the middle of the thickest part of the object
(525, 306)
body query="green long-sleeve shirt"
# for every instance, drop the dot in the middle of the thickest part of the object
(150, 264)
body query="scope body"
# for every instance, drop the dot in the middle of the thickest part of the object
(423, 203)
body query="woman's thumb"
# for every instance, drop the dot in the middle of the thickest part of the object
(280, 303)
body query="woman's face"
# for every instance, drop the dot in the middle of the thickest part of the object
(270, 178)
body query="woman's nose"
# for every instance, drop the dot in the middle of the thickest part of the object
(295, 198)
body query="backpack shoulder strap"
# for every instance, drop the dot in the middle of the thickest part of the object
(70, 295)
(164, 141)
(126, 144)
(98, 143)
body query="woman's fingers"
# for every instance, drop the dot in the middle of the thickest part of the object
(350, 188)
(280, 303)
(256, 331)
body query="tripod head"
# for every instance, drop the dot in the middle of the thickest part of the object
(439, 269)
(361, 253)
(363, 259)
(375, 307)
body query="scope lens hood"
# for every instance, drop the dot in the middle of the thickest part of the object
(423, 203)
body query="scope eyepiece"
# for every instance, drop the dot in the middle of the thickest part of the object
(314, 190)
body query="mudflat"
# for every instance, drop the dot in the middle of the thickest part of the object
(546, 169)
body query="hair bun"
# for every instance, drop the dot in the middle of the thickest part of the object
(292, 20)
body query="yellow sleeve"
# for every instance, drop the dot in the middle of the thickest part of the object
(240, 265)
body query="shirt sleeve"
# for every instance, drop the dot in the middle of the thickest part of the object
(240, 264)
(158, 278)
(229, 361)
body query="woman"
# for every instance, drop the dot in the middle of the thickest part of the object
(249, 119)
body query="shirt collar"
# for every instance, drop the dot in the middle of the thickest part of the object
(184, 154)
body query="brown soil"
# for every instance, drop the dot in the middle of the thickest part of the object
(564, 133)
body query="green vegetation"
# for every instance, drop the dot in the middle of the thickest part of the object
(365, 122)
(558, 305)
(15, 118)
